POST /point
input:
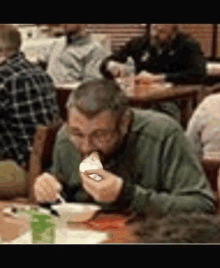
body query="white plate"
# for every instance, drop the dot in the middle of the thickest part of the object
(75, 212)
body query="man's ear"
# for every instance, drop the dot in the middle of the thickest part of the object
(126, 121)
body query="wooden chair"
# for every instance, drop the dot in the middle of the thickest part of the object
(212, 167)
(62, 97)
(41, 154)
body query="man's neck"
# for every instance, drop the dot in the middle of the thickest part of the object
(111, 158)
(71, 39)
(165, 45)
(8, 56)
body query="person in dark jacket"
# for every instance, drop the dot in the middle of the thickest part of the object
(165, 55)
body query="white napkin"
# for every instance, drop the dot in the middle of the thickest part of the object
(66, 236)
(90, 163)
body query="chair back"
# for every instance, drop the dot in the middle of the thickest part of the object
(62, 98)
(41, 154)
(211, 167)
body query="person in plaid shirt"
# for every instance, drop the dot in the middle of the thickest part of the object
(26, 100)
(73, 58)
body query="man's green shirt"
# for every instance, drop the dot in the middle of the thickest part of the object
(156, 162)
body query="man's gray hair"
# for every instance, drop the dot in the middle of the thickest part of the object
(98, 95)
(10, 37)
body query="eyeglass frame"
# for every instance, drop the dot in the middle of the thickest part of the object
(73, 139)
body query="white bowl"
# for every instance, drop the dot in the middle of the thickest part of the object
(75, 212)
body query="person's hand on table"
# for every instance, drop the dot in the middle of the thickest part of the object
(46, 188)
(147, 77)
(117, 69)
(105, 190)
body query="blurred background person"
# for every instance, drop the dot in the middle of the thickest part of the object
(74, 57)
(165, 55)
(26, 100)
(203, 129)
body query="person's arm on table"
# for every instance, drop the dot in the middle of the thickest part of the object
(118, 59)
(49, 185)
(194, 63)
(184, 184)
(193, 68)
(93, 62)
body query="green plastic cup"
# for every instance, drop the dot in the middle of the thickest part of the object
(43, 229)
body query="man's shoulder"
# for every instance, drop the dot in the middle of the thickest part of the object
(96, 44)
(138, 42)
(154, 124)
(34, 76)
(187, 39)
(32, 73)
(57, 40)
(61, 136)
(211, 103)
(213, 98)
(54, 43)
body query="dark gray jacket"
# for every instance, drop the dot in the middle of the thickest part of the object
(156, 162)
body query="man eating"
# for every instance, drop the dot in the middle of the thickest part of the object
(145, 156)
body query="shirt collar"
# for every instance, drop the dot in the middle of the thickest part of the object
(118, 155)
(15, 57)
(159, 48)
(78, 40)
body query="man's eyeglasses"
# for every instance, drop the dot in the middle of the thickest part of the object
(98, 138)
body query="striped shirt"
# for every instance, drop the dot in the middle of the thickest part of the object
(76, 62)
(26, 100)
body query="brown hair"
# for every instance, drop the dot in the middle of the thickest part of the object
(188, 227)
(10, 37)
(97, 95)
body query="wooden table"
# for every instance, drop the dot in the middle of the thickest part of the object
(118, 231)
(211, 90)
(144, 95)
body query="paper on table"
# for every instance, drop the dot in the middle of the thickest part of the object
(67, 236)
(68, 86)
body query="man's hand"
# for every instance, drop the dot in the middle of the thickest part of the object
(46, 188)
(117, 69)
(150, 78)
(106, 190)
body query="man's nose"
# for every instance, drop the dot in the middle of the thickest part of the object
(86, 146)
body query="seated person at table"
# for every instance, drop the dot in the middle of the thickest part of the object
(165, 55)
(203, 129)
(194, 227)
(26, 100)
(75, 57)
(145, 156)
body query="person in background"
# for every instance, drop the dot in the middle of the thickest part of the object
(203, 129)
(74, 57)
(145, 155)
(166, 54)
(26, 101)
